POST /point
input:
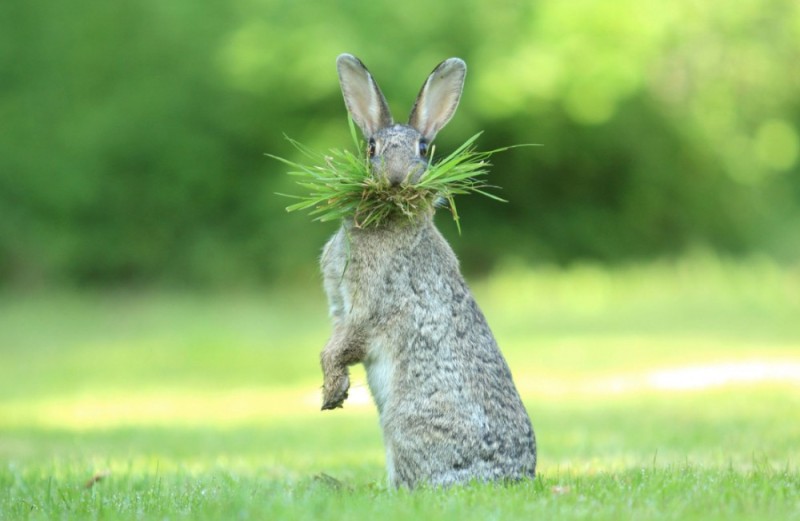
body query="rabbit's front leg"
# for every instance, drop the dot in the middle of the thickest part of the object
(345, 348)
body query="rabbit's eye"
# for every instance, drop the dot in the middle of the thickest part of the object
(371, 148)
(423, 147)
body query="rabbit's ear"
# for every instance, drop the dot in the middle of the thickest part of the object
(363, 97)
(438, 99)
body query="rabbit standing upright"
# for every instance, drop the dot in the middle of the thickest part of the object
(449, 410)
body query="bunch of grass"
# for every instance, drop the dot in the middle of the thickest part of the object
(340, 184)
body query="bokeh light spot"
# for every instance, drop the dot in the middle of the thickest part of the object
(777, 144)
(590, 103)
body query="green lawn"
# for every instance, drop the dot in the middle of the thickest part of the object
(663, 391)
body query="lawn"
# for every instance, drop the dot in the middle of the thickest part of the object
(662, 391)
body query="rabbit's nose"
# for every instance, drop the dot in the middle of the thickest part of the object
(396, 176)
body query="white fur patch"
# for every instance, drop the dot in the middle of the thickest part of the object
(379, 374)
(389, 462)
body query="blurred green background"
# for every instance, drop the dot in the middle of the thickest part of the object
(133, 133)
(161, 314)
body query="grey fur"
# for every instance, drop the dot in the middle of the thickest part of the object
(449, 410)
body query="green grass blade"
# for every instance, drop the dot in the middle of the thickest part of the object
(339, 184)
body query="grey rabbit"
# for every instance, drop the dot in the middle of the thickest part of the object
(449, 410)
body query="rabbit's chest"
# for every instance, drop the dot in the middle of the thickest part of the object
(380, 370)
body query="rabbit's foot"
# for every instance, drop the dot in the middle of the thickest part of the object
(334, 392)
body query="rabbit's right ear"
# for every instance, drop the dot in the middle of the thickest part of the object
(363, 98)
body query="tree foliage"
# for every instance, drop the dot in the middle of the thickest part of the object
(133, 133)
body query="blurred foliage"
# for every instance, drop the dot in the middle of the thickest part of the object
(133, 132)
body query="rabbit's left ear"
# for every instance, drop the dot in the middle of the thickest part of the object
(438, 99)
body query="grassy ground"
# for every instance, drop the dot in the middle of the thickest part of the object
(666, 391)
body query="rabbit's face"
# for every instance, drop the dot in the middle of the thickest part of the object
(398, 154)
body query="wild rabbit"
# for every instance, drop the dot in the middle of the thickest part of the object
(448, 407)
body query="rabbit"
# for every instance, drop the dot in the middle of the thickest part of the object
(449, 410)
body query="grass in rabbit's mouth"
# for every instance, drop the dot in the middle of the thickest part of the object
(340, 184)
